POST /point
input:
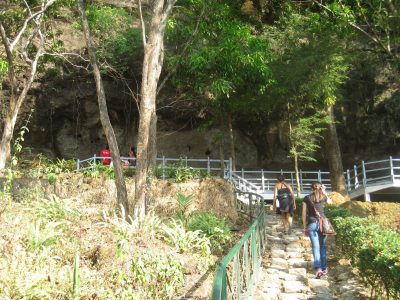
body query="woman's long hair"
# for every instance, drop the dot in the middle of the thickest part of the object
(317, 190)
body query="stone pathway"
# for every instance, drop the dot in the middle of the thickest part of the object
(288, 273)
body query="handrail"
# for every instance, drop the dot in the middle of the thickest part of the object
(246, 182)
(206, 164)
(371, 173)
(238, 270)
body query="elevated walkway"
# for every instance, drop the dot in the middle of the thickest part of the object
(375, 180)
(262, 182)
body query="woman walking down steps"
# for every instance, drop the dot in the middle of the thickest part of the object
(287, 271)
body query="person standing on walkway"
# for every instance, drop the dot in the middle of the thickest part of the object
(132, 157)
(106, 154)
(313, 209)
(287, 204)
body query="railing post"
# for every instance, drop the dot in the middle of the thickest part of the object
(242, 173)
(364, 174)
(208, 165)
(94, 158)
(186, 161)
(77, 164)
(355, 177)
(262, 180)
(230, 168)
(319, 176)
(348, 180)
(251, 206)
(301, 180)
(391, 168)
(163, 167)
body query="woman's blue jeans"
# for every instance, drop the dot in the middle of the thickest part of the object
(318, 242)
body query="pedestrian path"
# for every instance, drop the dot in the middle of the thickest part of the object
(288, 274)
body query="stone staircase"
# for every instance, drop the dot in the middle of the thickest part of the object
(288, 274)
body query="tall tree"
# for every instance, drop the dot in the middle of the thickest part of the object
(153, 43)
(310, 67)
(304, 136)
(104, 118)
(22, 38)
(226, 63)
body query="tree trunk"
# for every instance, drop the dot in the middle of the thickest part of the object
(296, 172)
(152, 65)
(332, 149)
(231, 141)
(11, 120)
(15, 102)
(221, 142)
(122, 194)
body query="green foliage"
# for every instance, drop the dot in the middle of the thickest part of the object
(213, 227)
(119, 42)
(98, 169)
(184, 201)
(184, 241)
(42, 235)
(179, 172)
(51, 169)
(17, 145)
(160, 276)
(304, 136)
(310, 62)
(377, 21)
(373, 250)
(222, 57)
(3, 68)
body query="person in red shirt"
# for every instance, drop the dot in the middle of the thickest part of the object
(106, 153)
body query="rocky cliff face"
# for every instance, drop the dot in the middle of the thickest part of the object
(66, 124)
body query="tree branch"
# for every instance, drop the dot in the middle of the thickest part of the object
(357, 27)
(10, 59)
(194, 33)
(32, 16)
(142, 24)
(64, 56)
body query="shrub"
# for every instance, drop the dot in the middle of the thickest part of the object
(96, 170)
(159, 275)
(179, 172)
(373, 250)
(54, 209)
(176, 235)
(213, 227)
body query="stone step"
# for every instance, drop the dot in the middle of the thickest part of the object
(288, 272)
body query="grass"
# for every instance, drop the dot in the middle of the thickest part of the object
(77, 247)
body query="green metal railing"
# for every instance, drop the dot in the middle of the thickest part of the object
(238, 270)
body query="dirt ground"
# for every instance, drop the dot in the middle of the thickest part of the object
(386, 214)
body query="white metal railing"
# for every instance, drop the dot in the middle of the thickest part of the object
(373, 173)
(211, 166)
(244, 185)
(262, 181)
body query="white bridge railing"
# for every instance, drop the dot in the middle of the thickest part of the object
(262, 182)
(373, 173)
(211, 166)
